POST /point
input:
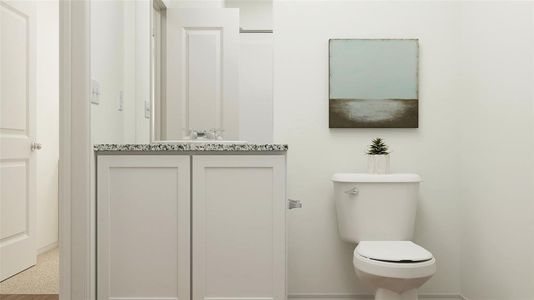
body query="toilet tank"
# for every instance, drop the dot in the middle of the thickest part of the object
(376, 207)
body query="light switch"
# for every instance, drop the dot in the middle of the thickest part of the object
(96, 92)
(121, 101)
(147, 109)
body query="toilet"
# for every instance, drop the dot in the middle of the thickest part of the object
(377, 213)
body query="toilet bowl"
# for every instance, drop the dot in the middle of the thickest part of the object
(396, 269)
(377, 212)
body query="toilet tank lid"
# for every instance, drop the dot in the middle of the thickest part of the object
(364, 177)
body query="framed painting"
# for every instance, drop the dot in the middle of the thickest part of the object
(373, 83)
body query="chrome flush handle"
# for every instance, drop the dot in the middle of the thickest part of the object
(353, 192)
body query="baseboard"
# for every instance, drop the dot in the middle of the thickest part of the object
(447, 296)
(424, 296)
(238, 298)
(318, 296)
(141, 298)
(47, 248)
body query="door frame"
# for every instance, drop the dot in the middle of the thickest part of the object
(76, 232)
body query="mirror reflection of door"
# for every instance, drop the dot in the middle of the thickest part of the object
(201, 72)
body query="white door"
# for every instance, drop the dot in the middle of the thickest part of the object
(202, 86)
(239, 206)
(17, 130)
(143, 227)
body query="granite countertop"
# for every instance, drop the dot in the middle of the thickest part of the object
(174, 147)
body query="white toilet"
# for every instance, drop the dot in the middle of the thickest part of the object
(377, 212)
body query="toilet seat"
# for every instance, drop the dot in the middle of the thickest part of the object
(394, 259)
(393, 251)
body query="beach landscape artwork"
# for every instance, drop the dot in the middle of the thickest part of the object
(373, 83)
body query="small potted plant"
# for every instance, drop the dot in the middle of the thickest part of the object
(378, 157)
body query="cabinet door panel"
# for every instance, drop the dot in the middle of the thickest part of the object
(143, 228)
(239, 227)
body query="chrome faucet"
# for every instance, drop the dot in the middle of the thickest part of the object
(206, 134)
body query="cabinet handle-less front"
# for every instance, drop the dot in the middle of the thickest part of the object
(294, 204)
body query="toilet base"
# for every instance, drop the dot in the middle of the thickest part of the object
(383, 294)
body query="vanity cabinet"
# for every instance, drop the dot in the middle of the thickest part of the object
(202, 227)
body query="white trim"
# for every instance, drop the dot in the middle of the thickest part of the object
(238, 298)
(137, 298)
(329, 296)
(47, 248)
(441, 296)
(76, 261)
(64, 151)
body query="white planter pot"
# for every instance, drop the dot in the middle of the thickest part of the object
(378, 164)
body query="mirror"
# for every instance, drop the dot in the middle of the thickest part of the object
(211, 71)
(175, 70)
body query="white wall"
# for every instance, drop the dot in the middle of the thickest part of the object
(47, 122)
(497, 150)
(319, 262)
(257, 14)
(256, 87)
(473, 148)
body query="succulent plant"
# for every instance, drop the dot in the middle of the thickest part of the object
(378, 147)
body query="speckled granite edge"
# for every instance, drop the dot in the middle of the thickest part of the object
(189, 147)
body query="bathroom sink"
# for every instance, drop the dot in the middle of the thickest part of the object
(225, 142)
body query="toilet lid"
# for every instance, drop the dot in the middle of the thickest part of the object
(393, 251)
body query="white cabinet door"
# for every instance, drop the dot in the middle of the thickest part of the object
(143, 227)
(238, 221)
(202, 90)
(17, 131)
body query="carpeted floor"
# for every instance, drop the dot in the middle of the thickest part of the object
(29, 297)
(42, 278)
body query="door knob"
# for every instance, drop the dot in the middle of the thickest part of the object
(36, 146)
